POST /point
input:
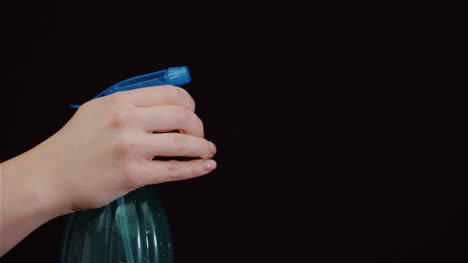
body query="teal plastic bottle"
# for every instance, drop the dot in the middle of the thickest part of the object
(134, 228)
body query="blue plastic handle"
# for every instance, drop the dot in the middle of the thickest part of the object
(176, 76)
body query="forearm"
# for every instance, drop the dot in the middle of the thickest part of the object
(25, 203)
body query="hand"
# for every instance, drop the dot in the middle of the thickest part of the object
(106, 149)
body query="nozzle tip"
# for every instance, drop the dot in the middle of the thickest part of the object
(178, 76)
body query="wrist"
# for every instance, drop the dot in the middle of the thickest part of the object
(24, 204)
(26, 181)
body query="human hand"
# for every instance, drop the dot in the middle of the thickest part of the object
(107, 147)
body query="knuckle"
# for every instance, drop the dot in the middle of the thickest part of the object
(130, 175)
(191, 101)
(180, 96)
(199, 123)
(174, 172)
(192, 171)
(173, 93)
(180, 144)
(180, 114)
(121, 118)
(208, 153)
(125, 147)
(185, 99)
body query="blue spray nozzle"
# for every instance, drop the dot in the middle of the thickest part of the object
(176, 76)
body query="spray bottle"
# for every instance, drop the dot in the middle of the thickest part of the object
(134, 228)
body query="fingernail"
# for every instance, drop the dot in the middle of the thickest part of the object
(210, 165)
(212, 147)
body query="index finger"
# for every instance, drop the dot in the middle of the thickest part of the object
(159, 95)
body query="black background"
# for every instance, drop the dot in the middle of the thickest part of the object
(341, 127)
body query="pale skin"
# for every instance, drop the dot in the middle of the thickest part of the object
(105, 151)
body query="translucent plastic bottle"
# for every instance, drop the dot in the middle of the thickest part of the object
(134, 228)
